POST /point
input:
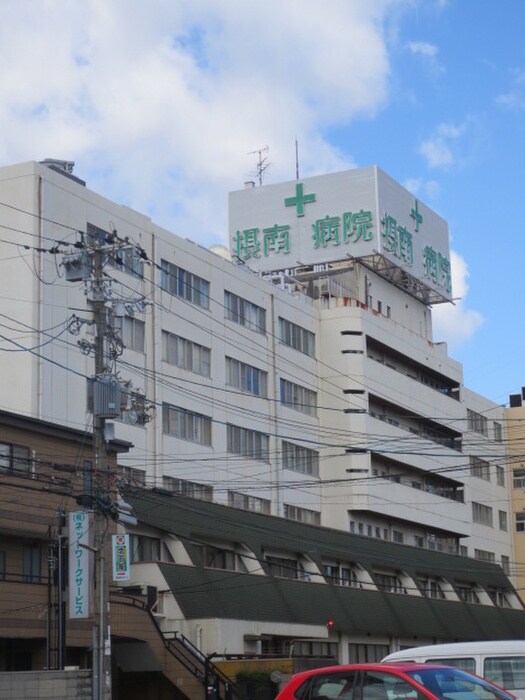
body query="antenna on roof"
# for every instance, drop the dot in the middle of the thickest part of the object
(296, 159)
(262, 162)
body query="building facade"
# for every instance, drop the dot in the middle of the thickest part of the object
(515, 415)
(295, 375)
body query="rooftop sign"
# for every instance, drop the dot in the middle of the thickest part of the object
(357, 213)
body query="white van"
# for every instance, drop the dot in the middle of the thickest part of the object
(502, 662)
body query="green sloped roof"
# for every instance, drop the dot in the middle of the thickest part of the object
(211, 593)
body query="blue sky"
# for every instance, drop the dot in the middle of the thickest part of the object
(160, 103)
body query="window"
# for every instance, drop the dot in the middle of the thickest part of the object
(14, 458)
(186, 354)
(136, 477)
(431, 588)
(520, 522)
(285, 568)
(389, 582)
(245, 377)
(131, 331)
(500, 476)
(244, 312)
(248, 443)
(467, 593)
(128, 258)
(330, 684)
(397, 536)
(31, 563)
(144, 548)
(245, 502)
(498, 432)
(297, 337)
(184, 284)
(505, 564)
(189, 489)
(518, 478)
(505, 670)
(298, 397)
(300, 459)
(483, 555)
(186, 425)
(499, 597)
(482, 514)
(503, 520)
(367, 653)
(219, 558)
(479, 468)
(302, 515)
(94, 234)
(476, 422)
(341, 575)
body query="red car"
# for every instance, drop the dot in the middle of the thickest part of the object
(399, 681)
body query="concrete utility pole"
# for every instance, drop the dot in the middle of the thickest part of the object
(101, 488)
(108, 398)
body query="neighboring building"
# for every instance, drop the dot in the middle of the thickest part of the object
(45, 469)
(299, 378)
(516, 437)
(244, 583)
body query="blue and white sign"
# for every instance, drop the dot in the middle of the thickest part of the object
(80, 564)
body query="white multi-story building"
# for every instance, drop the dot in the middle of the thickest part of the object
(296, 375)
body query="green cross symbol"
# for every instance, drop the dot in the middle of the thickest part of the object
(299, 200)
(414, 214)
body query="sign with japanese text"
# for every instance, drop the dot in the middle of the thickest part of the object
(80, 564)
(352, 214)
(121, 553)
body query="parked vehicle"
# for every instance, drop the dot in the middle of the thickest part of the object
(502, 662)
(400, 681)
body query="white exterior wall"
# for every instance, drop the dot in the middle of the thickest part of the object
(50, 383)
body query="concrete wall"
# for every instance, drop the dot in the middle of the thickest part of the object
(52, 685)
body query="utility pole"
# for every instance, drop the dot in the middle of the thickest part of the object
(101, 487)
(108, 397)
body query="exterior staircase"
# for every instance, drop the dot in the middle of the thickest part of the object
(194, 675)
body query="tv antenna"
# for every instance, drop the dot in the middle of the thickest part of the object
(262, 163)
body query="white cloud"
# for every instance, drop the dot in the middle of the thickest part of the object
(456, 323)
(423, 48)
(427, 189)
(159, 103)
(437, 150)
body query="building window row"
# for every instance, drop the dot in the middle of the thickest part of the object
(298, 397)
(300, 459)
(184, 285)
(246, 502)
(132, 332)
(302, 515)
(244, 313)
(297, 337)
(186, 425)
(246, 378)
(186, 354)
(247, 443)
(14, 458)
(477, 422)
(479, 468)
(189, 489)
(482, 514)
